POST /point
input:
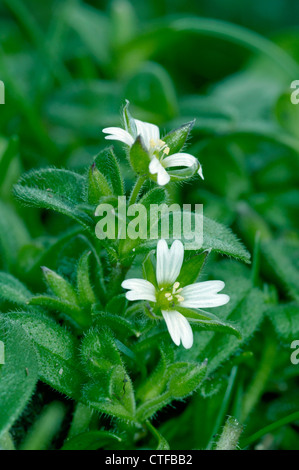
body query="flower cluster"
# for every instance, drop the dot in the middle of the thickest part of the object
(160, 157)
(171, 300)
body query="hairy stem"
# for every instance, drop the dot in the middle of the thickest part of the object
(230, 435)
(136, 189)
(224, 406)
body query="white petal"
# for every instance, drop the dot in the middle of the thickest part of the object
(204, 295)
(154, 166)
(179, 328)
(169, 262)
(162, 175)
(180, 159)
(175, 260)
(206, 302)
(140, 289)
(116, 133)
(162, 262)
(147, 132)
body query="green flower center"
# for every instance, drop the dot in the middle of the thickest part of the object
(169, 297)
(159, 148)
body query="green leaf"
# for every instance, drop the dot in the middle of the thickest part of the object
(221, 239)
(285, 319)
(216, 237)
(91, 440)
(139, 158)
(282, 258)
(12, 290)
(117, 305)
(113, 394)
(177, 138)
(191, 268)
(60, 190)
(97, 186)
(218, 326)
(19, 374)
(60, 286)
(108, 165)
(184, 378)
(162, 442)
(99, 352)
(85, 290)
(155, 383)
(117, 323)
(153, 196)
(208, 321)
(246, 311)
(181, 379)
(149, 268)
(74, 314)
(57, 349)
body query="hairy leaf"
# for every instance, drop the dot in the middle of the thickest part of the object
(19, 374)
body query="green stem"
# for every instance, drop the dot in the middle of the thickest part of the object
(162, 443)
(270, 428)
(230, 435)
(136, 189)
(261, 378)
(224, 406)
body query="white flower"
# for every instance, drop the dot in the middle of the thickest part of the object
(169, 295)
(156, 148)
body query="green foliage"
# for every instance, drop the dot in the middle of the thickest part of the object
(18, 375)
(12, 290)
(57, 352)
(139, 158)
(59, 190)
(285, 319)
(91, 440)
(177, 138)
